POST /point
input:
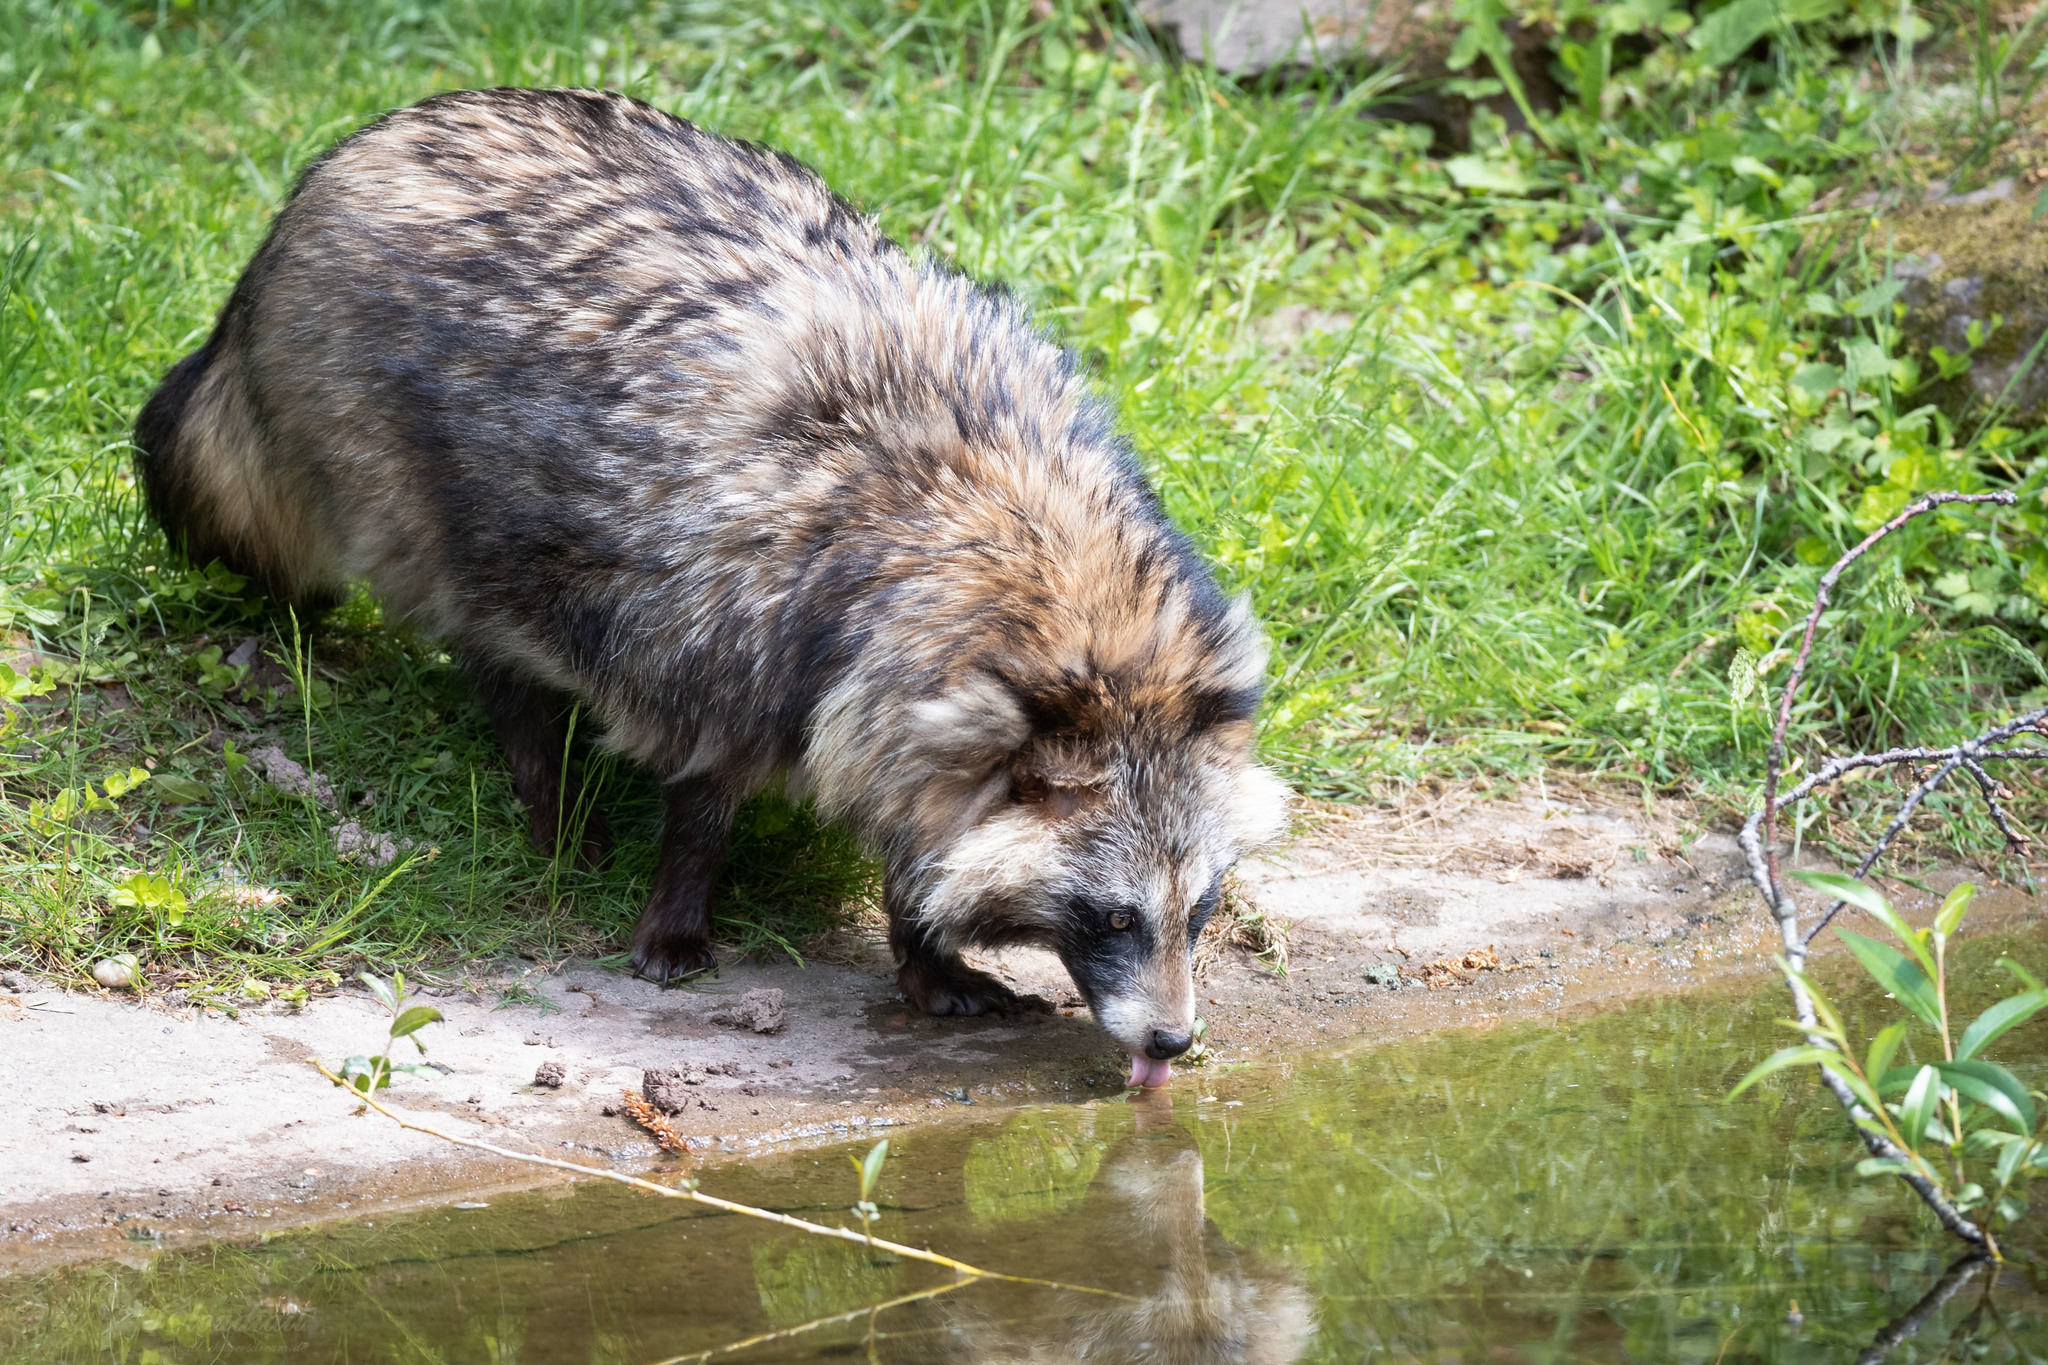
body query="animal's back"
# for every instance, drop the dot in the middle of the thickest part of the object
(656, 418)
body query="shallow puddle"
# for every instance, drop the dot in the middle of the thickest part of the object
(1572, 1190)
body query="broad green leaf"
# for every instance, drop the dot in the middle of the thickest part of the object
(1952, 909)
(1867, 899)
(1808, 1055)
(1818, 381)
(1749, 165)
(178, 790)
(1472, 172)
(2007, 1014)
(1726, 33)
(414, 1019)
(1994, 1087)
(1916, 1111)
(1882, 1049)
(1897, 974)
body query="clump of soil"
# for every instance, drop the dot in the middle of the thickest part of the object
(760, 1009)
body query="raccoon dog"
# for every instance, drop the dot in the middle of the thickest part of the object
(636, 415)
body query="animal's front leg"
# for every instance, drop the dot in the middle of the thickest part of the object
(935, 981)
(674, 935)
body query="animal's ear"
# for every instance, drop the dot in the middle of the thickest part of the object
(1056, 790)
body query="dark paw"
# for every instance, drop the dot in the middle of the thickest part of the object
(673, 960)
(955, 989)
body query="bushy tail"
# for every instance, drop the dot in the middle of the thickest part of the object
(216, 496)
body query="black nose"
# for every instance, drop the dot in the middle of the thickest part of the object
(1165, 1045)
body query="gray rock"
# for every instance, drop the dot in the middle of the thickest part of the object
(1246, 37)
(1249, 36)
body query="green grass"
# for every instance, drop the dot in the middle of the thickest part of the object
(1545, 480)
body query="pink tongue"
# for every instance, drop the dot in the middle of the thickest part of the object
(1149, 1073)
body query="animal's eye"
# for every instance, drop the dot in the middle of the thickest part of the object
(1119, 921)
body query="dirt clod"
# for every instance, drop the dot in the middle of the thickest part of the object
(663, 1088)
(353, 843)
(291, 777)
(551, 1075)
(760, 1009)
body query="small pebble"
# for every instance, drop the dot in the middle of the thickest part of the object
(117, 973)
(81, 1156)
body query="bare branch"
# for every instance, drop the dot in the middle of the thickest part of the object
(1774, 757)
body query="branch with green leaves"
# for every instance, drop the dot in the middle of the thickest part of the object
(1936, 1123)
(1932, 1124)
(366, 1075)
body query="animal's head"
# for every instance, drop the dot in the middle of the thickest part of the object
(1090, 800)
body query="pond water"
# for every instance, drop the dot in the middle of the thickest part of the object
(1572, 1189)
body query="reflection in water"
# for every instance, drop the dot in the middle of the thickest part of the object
(1197, 1299)
(1570, 1191)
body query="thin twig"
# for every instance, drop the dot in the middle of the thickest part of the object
(1761, 853)
(692, 1194)
(869, 1311)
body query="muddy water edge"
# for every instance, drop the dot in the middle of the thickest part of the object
(1566, 1189)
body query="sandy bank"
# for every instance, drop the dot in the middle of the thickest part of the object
(138, 1124)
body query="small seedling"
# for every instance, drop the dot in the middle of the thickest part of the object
(71, 802)
(369, 1074)
(217, 679)
(154, 894)
(869, 1169)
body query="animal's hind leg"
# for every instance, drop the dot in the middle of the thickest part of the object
(673, 938)
(938, 982)
(528, 722)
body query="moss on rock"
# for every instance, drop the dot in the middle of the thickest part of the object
(1977, 259)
